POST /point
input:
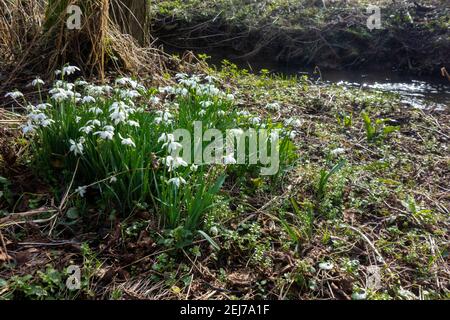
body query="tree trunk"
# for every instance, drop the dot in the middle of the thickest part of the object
(132, 17)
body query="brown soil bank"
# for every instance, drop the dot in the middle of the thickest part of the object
(414, 37)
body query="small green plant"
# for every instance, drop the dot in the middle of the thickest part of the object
(345, 121)
(325, 177)
(377, 130)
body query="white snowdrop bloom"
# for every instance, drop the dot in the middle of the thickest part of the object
(88, 99)
(229, 159)
(163, 117)
(106, 88)
(210, 79)
(113, 180)
(220, 113)
(87, 129)
(118, 116)
(359, 296)
(205, 104)
(172, 146)
(174, 163)
(337, 151)
(182, 92)
(60, 96)
(275, 106)
(127, 141)
(14, 94)
(94, 122)
(202, 112)
(81, 191)
(326, 266)
(154, 100)
(194, 167)
(133, 123)
(292, 135)
(37, 117)
(181, 76)
(70, 70)
(43, 106)
(107, 133)
(96, 110)
(81, 83)
(177, 181)
(77, 119)
(46, 122)
(124, 81)
(229, 97)
(37, 82)
(77, 147)
(293, 122)
(166, 137)
(167, 89)
(255, 120)
(28, 128)
(58, 72)
(243, 113)
(131, 94)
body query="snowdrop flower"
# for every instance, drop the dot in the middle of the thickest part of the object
(243, 113)
(326, 266)
(174, 162)
(210, 79)
(96, 110)
(37, 82)
(154, 100)
(118, 116)
(124, 81)
(127, 141)
(107, 133)
(58, 72)
(88, 99)
(94, 122)
(337, 151)
(87, 129)
(202, 112)
(293, 122)
(77, 147)
(77, 119)
(163, 117)
(131, 94)
(181, 76)
(43, 106)
(220, 113)
(113, 180)
(230, 97)
(275, 106)
(229, 159)
(14, 94)
(70, 70)
(255, 120)
(133, 123)
(81, 83)
(46, 122)
(205, 104)
(166, 137)
(81, 191)
(28, 128)
(177, 181)
(194, 167)
(292, 135)
(167, 89)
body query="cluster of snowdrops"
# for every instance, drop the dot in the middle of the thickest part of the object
(116, 142)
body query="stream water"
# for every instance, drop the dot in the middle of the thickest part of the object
(417, 91)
